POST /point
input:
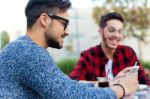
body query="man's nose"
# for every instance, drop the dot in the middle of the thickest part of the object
(117, 34)
(66, 31)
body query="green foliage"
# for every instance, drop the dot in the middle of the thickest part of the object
(67, 64)
(4, 38)
(146, 64)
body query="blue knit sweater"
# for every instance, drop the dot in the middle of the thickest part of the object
(27, 71)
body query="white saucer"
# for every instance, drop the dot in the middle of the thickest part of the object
(142, 86)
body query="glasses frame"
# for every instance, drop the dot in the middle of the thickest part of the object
(114, 30)
(61, 18)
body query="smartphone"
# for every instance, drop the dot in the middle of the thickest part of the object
(134, 69)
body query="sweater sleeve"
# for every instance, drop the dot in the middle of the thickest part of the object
(41, 74)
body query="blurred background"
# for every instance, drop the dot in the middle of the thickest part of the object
(84, 18)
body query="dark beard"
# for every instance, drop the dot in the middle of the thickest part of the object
(52, 42)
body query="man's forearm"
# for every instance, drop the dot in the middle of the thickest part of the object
(118, 90)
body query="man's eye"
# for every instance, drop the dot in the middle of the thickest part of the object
(63, 22)
(111, 29)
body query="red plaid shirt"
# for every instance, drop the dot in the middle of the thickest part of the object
(92, 64)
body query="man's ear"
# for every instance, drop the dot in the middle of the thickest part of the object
(44, 20)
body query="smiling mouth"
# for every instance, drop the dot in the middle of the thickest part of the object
(114, 39)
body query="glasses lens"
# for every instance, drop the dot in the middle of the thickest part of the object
(112, 30)
(62, 20)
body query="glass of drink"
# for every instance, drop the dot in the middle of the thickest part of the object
(103, 81)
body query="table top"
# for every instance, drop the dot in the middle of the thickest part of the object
(143, 94)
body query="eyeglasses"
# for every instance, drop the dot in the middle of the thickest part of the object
(64, 21)
(114, 30)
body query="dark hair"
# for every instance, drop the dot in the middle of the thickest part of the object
(109, 16)
(35, 8)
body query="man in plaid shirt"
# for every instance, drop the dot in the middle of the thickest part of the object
(108, 57)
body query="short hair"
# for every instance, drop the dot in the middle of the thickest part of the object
(110, 16)
(35, 8)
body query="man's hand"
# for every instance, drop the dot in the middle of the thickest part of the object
(123, 73)
(129, 82)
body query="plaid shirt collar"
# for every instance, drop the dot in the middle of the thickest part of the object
(104, 59)
(102, 54)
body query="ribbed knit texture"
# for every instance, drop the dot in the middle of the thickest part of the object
(27, 71)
